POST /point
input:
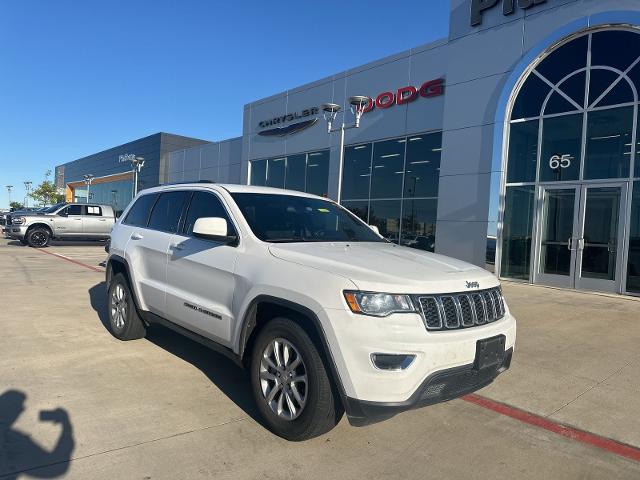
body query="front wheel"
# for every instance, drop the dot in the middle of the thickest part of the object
(38, 237)
(124, 321)
(290, 384)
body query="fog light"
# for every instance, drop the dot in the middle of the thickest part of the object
(388, 361)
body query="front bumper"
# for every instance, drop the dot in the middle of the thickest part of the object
(15, 232)
(438, 387)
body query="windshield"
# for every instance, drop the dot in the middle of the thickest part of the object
(289, 218)
(55, 207)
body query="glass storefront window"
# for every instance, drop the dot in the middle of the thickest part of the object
(258, 173)
(523, 152)
(516, 233)
(317, 175)
(356, 175)
(305, 172)
(561, 148)
(276, 172)
(388, 168)
(296, 166)
(118, 194)
(359, 208)
(422, 166)
(633, 280)
(609, 143)
(419, 223)
(385, 214)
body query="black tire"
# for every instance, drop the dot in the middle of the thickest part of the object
(38, 237)
(322, 410)
(124, 321)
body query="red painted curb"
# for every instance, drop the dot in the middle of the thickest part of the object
(581, 436)
(57, 255)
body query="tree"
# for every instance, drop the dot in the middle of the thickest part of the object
(16, 205)
(46, 193)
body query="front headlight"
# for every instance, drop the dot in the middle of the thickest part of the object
(378, 304)
(18, 220)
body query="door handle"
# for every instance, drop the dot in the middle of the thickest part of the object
(103, 219)
(570, 244)
(176, 246)
(77, 219)
(136, 236)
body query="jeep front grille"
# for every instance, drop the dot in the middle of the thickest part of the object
(461, 310)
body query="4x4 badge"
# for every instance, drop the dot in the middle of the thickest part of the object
(473, 285)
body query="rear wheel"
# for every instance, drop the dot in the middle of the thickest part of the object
(124, 321)
(290, 383)
(38, 237)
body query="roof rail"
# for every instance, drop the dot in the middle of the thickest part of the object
(187, 182)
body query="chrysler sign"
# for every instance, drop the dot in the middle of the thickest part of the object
(281, 131)
(478, 7)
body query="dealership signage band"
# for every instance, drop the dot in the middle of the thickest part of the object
(478, 7)
(401, 96)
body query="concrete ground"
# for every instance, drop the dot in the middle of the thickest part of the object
(77, 403)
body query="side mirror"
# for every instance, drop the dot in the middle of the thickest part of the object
(375, 229)
(62, 213)
(213, 228)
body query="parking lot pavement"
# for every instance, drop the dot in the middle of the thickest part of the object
(77, 403)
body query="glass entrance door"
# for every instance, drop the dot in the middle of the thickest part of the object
(580, 236)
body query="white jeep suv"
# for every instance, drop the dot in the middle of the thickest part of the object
(326, 314)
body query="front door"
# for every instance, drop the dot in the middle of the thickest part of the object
(581, 236)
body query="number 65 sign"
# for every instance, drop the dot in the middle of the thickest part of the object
(560, 161)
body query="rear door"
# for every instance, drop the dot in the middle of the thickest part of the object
(200, 273)
(95, 222)
(68, 221)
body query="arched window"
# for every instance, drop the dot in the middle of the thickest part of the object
(574, 118)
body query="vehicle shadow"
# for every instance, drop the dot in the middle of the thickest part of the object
(20, 454)
(232, 380)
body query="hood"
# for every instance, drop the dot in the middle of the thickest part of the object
(387, 267)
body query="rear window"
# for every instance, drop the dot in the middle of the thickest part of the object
(94, 210)
(139, 213)
(168, 211)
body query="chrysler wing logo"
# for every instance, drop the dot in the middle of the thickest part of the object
(289, 129)
(472, 284)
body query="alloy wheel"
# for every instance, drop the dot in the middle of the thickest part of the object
(283, 379)
(118, 306)
(38, 238)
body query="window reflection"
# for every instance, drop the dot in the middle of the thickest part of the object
(419, 223)
(388, 167)
(633, 280)
(609, 143)
(523, 152)
(422, 170)
(561, 148)
(516, 234)
(356, 171)
(385, 214)
(305, 172)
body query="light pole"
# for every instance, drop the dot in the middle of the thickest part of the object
(358, 103)
(27, 188)
(137, 163)
(88, 179)
(9, 187)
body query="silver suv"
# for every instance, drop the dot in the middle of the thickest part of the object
(61, 221)
(327, 316)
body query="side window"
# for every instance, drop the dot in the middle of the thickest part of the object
(94, 210)
(139, 213)
(202, 205)
(74, 210)
(168, 210)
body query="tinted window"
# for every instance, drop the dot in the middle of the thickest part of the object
(609, 143)
(203, 205)
(568, 58)
(516, 235)
(139, 213)
(562, 136)
(633, 281)
(167, 211)
(615, 48)
(357, 172)
(318, 173)
(288, 218)
(258, 172)
(275, 172)
(423, 165)
(530, 99)
(296, 165)
(73, 210)
(385, 214)
(523, 152)
(388, 167)
(419, 223)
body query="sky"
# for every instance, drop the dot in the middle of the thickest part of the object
(81, 76)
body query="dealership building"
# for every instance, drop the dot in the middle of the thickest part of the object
(513, 143)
